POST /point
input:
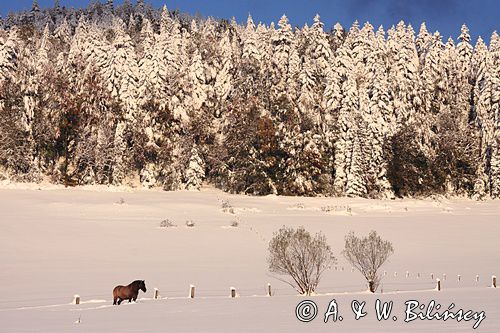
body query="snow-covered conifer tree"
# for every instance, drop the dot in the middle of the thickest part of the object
(35, 7)
(9, 53)
(224, 67)
(251, 42)
(315, 66)
(465, 50)
(483, 92)
(403, 73)
(197, 81)
(423, 41)
(195, 171)
(285, 61)
(121, 71)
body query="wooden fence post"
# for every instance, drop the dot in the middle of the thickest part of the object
(233, 292)
(76, 299)
(459, 277)
(438, 287)
(156, 294)
(269, 290)
(477, 278)
(432, 276)
(493, 281)
(191, 291)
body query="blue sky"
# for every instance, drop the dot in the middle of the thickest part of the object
(482, 16)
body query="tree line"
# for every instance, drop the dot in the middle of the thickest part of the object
(149, 97)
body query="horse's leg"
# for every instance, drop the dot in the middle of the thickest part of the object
(120, 301)
(114, 300)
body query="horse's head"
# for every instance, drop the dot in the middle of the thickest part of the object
(142, 285)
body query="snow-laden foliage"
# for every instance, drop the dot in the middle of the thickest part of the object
(134, 95)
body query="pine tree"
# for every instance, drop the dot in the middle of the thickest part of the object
(423, 42)
(285, 61)
(35, 7)
(495, 154)
(9, 53)
(170, 73)
(433, 87)
(338, 36)
(465, 50)
(403, 73)
(63, 33)
(120, 73)
(251, 47)
(149, 75)
(315, 64)
(195, 171)
(197, 82)
(224, 68)
(380, 119)
(345, 122)
(483, 92)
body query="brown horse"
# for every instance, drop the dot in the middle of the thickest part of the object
(129, 292)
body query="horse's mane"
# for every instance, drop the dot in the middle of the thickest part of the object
(137, 283)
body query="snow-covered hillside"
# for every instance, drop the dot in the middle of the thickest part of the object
(128, 94)
(58, 242)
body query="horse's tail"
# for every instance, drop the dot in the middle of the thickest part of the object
(115, 294)
(116, 290)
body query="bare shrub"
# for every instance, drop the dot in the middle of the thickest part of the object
(300, 256)
(226, 207)
(190, 223)
(235, 223)
(327, 209)
(367, 255)
(299, 205)
(167, 224)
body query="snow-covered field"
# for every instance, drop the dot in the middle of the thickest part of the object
(58, 242)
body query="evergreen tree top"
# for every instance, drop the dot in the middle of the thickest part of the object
(283, 23)
(464, 35)
(423, 32)
(354, 30)
(35, 7)
(250, 22)
(338, 29)
(194, 26)
(381, 31)
(317, 21)
(480, 45)
(450, 43)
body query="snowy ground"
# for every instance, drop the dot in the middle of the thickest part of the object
(58, 242)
